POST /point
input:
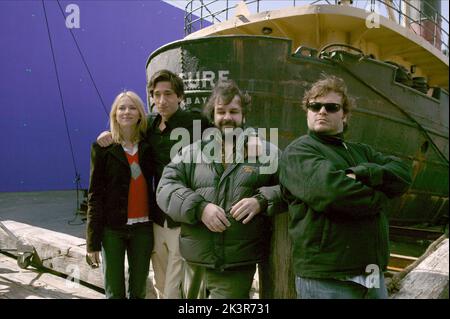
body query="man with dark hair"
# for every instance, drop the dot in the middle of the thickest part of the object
(226, 91)
(337, 193)
(167, 91)
(221, 201)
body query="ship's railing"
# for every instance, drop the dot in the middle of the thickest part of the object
(423, 19)
(417, 15)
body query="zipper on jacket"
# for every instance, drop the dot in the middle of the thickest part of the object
(219, 236)
(350, 154)
(222, 234)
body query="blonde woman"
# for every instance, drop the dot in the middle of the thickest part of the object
(120, 201)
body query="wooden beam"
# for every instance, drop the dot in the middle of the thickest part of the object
(16, 283)
(61, 253)
(427, 277)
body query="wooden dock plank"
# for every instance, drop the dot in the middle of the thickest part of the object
(61, 252)
(16, 283)
(57, 251)
(429, 279)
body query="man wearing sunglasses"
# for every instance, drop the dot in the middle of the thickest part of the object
(338, 193)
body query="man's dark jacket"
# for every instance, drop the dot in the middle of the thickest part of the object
(109, 186)
(338, 224)
(162, 144)
(186, 188)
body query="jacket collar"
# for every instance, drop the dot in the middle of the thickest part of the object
(217, 139)
(174, 121)
(240, 157)
(118, 152)
(337, 139)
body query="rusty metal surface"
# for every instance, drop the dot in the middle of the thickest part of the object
(393, 118)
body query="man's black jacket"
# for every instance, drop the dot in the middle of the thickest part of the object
(338, 224)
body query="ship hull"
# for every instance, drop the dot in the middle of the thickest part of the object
(390, 116)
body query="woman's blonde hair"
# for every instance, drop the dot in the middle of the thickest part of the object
(141, 126)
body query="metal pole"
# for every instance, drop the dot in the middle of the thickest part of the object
(226, 11)
(435, 28)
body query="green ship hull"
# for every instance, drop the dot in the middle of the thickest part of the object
(392, 116)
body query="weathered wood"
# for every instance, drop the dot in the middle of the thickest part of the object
(277, 276)
(57, 251)
(60, 252)
(16, 283)
(427, 278)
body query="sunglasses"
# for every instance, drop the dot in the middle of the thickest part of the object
(330, 107)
